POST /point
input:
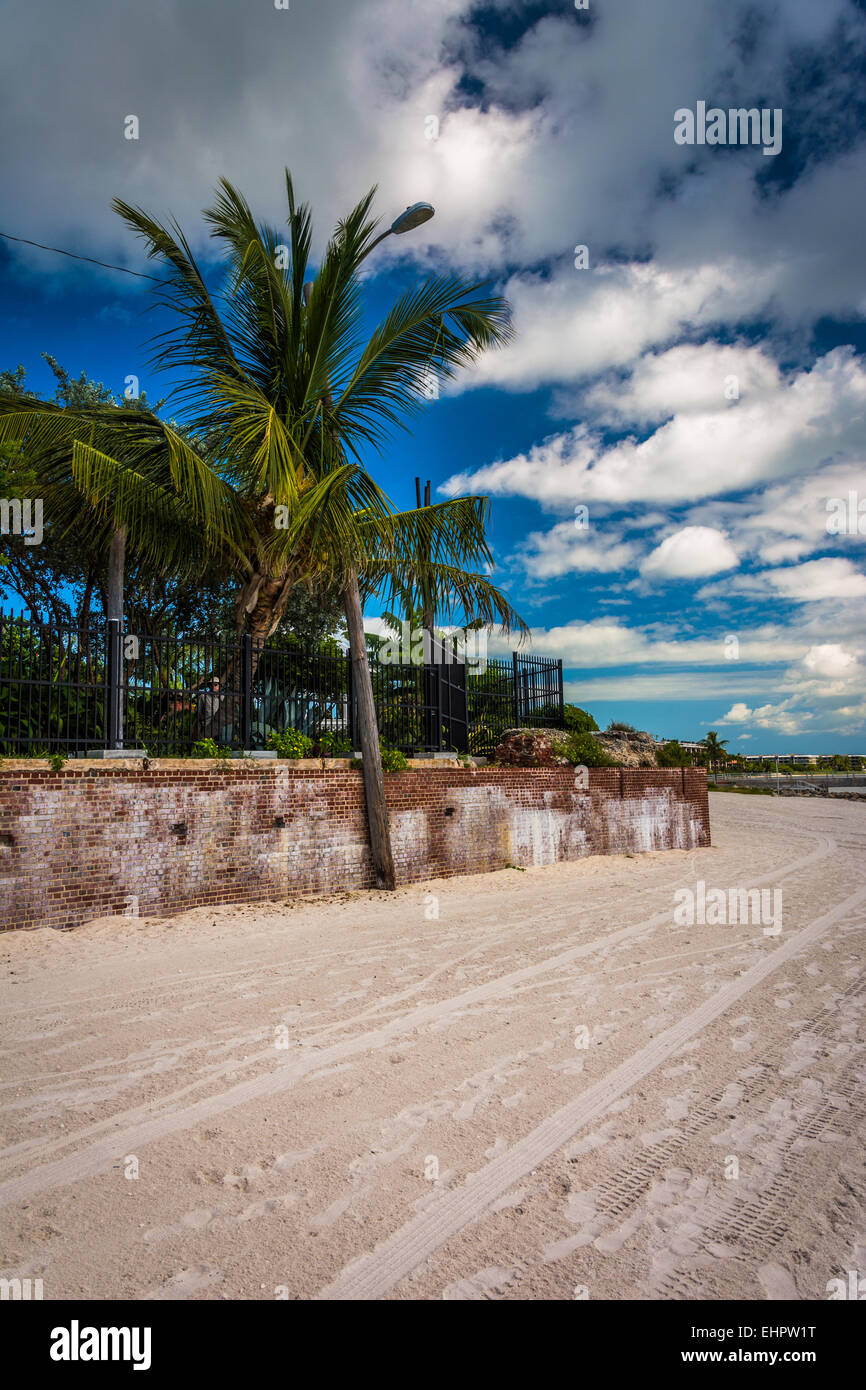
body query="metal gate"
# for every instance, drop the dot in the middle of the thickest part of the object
(453, 706)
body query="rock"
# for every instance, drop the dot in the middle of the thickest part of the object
(544, 748)
(630, 749)
(532, 748)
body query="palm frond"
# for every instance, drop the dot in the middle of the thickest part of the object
(157, 523)
(454, 531)
(333, 321)
(328, 526)
(459, 596)
(430, 333)
(199, 341)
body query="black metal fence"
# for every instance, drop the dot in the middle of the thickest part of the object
(68, 690)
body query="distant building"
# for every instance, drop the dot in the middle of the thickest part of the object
(796, 759)
(695, 748)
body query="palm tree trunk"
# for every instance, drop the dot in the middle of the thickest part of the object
(374, 780)
(116, 561)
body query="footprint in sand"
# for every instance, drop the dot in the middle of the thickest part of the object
(482, 1285)
(777, 1283)
(191, 1221)
(188, 1282)
(285, 1162)
(245, 1179)
(677, 1107)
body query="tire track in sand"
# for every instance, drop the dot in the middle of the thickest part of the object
(169, 1103)
(375, 1273)
(101, 1155)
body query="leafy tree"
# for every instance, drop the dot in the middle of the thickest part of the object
(673, 755)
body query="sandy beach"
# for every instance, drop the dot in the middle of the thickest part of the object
(520, 1085)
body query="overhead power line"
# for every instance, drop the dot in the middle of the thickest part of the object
(105, 264)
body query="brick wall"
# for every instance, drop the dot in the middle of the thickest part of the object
(96, 839)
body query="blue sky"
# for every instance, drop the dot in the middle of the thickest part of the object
(699, 388)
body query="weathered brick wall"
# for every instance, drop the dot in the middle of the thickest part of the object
(98, 839)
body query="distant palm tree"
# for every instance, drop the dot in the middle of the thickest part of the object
(714, 749)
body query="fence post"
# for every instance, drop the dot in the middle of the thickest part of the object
(113, 685)
(246, 689)
(350, 703)
(516, 688)
(440, 714)
(561, 694)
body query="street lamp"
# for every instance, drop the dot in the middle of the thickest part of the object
(414, 216)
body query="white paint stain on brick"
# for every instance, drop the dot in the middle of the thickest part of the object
(111, 837)
(410, 836)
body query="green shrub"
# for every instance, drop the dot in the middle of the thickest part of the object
(573, 718)
(617, 727)
(673, 755)
(333, 745)
(291, 744)
(578, 720)
(56, 761)
(209, 748)
(582, 750)
(392, 759)
(482, 738)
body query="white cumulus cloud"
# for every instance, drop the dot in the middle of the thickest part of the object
(692, 553)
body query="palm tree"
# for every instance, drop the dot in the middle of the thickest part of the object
(93, 536)
(714, 748)
(284, 396)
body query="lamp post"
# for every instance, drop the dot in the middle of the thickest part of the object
(362, 684)
(414, 216)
